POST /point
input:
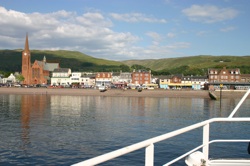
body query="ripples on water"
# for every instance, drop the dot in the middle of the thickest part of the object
(63, 130)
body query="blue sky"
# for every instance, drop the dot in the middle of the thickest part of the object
(128, 29)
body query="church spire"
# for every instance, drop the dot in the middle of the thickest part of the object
(44, 59)
(26, 47)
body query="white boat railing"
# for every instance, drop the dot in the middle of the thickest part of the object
(149, 144)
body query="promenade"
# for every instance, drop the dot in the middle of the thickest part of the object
(121, 93)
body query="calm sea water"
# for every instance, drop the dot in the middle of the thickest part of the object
(63, 130)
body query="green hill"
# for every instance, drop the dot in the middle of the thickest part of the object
(11, 60)
(201, 62)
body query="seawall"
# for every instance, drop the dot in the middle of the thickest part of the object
(121, 93)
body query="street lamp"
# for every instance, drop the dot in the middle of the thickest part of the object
(221, 86)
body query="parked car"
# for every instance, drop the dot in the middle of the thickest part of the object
(102, 88)
(17, 85)
(67, 86)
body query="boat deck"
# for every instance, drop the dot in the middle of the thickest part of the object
(229, 162)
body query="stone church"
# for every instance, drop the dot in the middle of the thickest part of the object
(37, 73)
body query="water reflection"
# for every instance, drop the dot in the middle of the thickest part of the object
(25, 120)
(62, 130)
(32, 108)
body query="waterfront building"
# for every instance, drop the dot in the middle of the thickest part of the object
(227, 79)
(125, 77)
(141, 77)
(194, 82)
(245, 78)
(38, 72)
(116, 77)
(64, 77)
(199, 82)
(103, 79)
(116, 81)
(164, 81)
(61, 76)
(87, 80)
(75, 78)
(11, 79)
(224, 75)
(175, 82)
(179, 82)
(121, 79)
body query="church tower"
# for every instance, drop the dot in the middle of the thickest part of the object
(26, 64)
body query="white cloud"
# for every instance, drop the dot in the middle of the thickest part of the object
(227, 29)
(209, 13)
(155, 36)
(202, 33)
(163, 51)
(136, 17)
(90, 33)
(171, 35)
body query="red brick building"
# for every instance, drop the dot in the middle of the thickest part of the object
(39, 71)
(224, 75)
(141, 77)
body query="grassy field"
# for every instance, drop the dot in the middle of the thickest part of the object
(202, 61)
(11, 61)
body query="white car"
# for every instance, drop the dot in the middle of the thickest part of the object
(17, 85)
(102, 88)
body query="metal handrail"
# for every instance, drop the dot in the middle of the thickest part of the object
(239, 104)
(149, 143)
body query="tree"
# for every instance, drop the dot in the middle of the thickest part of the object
(124, 68)
(19, 78)
(139, 67)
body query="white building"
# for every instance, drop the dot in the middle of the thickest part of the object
(11, 79)
(125, 77)
(76, 78)
(87, 80)
(103, 79)
(61, 76)
(115, 77)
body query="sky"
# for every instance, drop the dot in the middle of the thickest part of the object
(128, 29)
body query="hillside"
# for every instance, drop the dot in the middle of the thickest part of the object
(11, 60)
(193, 62)
(77, 61)
(198, 62)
